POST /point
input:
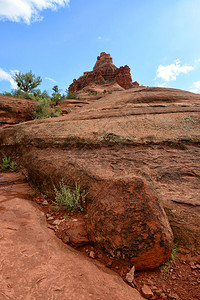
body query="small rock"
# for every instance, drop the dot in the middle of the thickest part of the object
(192, 266)
(163, 296)
(65, 239)
(158, 291)
(150, 282)
(194, 273)
(92, 254)
(173, 277)
(198, 266)
(57, 222)
(50, 218)
(173, 296)
(109, 263)
(45, 202)
(75, 220)
(130, 275)
(146, 291)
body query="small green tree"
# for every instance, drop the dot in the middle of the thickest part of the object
(56, 98)
(27, 82)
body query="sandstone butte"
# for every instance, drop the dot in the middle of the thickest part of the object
(136, 152)
(103, 72)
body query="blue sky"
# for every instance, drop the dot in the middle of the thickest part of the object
(60, 39)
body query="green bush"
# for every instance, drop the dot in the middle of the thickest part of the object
(67, 199)
(21, 94)
(71, 96)
(7, 164)
(41, 96)
(44, 111)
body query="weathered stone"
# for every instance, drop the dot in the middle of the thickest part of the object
(130, 275)
(73, 232)
(15, 110)
(146, 291)
(123, 77)
(104, 71)
(127, 221)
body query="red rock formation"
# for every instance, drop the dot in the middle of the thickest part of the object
(128, 222)
(98, 77)
(104, 71)
(123, 77)
(15, 110)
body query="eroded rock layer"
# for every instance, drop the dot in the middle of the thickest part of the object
(15, 110)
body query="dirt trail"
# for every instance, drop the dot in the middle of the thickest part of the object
(35, 265)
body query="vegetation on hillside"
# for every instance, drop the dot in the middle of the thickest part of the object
(48, 106)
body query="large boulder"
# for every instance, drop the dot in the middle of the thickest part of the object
(127, 220)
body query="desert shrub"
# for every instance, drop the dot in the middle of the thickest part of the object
(68, 110)
(44, 111)
(67, 199)
(166, 266)
(104, 91)
(41, 96)
(71, 96)
(21, 94)
(109, 92)
(7, 164)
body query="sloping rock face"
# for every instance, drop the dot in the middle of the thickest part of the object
(121, 149)
(37, 265)
(104, 71)
(15, 110)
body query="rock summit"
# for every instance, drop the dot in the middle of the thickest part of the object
(104, 71)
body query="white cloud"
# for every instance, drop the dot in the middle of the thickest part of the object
(196, 87)
(50, 79)
(170, 72)
(27, 10)
(7, 76)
